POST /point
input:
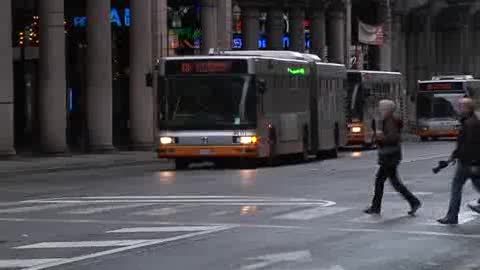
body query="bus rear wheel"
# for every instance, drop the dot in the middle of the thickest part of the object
(181, 164)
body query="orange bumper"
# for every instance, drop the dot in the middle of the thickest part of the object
(354, 139)
(177, 151)
(435, 133)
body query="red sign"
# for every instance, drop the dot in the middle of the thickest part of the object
(439, 86)
(206, 67)
(442, 86)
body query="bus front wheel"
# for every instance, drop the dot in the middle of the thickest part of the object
(423, 139)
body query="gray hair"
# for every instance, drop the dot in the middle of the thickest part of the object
(387, 105)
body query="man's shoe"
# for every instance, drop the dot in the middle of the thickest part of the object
(447, 221)
(415, 208)
(372, 211)
(474, 208)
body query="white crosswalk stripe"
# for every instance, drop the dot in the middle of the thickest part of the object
(166, 229)
(33, 208)
(164, 211)
(83, 244)
(104, 209)
(313, 213)
(9, 264)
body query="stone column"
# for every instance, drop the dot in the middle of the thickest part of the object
(160, 27)
(141, 96)
(275, 28)
(336, 34)
(398, 44)
(52, 98)
(209, 25)
(386, 49)
(99, 76)
(348, 31)
(251, 27)
(318, 32)
(224, 24)
(6, 81)
(297, 29)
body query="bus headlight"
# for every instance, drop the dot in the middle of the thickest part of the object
(248, 140)
(167, 140)
(356, 129)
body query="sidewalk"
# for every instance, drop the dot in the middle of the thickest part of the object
(24, 165)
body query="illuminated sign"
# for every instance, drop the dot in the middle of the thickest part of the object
(441, 86)
(117, 18)
(296, 71)
(177, 67)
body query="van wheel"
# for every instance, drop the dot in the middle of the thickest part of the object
(181, 164)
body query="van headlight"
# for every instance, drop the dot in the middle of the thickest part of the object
(167, 140)
(356, 129)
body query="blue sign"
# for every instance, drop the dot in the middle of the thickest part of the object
(115, 16)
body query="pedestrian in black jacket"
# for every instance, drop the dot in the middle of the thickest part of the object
(389, 157)
(467, 155)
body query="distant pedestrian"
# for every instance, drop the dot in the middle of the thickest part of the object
(467, 155)
(389, 157)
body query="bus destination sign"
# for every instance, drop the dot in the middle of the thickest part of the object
(442, 86)
(179, 67)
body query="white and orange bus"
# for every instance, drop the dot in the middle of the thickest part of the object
(364, 90)
(437, 107)
(248, 105)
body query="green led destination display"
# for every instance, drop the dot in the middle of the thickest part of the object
(296, 71)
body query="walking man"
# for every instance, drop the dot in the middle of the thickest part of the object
(389, 157)
(467, 155)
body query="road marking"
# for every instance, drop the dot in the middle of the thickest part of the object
(144, 223)
(166, 211)
(35, 208)
(85, 244)
(25, 263)
(463, 218)
(272, 259)
(165, 229)
(197, 200)
(103, 209)
(152, 242)
(314, 213)
(473, 236)
(414, 193)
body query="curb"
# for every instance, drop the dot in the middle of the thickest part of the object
(78, 167)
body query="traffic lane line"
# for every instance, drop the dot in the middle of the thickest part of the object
(144, 244)
(165, 229)
(425, 233)
(18, 263)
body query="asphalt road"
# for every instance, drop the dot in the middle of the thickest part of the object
(296, 216)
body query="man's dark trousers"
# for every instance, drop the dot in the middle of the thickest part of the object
(462, 174)
(390, 171)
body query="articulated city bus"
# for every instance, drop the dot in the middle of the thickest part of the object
(438, 106)
(365, 89)
(261, 105)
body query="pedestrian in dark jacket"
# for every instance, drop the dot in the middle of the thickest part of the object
(467, 156)
(389, 157)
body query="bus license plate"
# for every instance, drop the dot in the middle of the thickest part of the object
(205, 152)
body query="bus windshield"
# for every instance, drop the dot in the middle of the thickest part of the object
(209, 102)
(438, 105)
(355, 102)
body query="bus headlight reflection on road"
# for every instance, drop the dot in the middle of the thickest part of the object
(167, 140)
(357, 154)
(356, 129)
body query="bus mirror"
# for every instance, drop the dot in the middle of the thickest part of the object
(261, 86)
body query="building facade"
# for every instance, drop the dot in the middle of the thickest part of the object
(73, 72)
